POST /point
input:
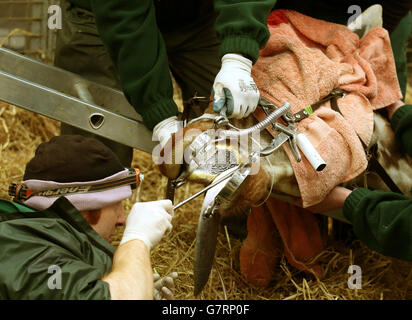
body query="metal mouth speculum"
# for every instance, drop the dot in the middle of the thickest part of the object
(208, 156)
(232, 186)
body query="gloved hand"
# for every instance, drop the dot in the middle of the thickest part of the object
(164, 129)
(148, 221)
(164, 287)
(234, 88)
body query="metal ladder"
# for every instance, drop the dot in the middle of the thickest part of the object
(69, 98)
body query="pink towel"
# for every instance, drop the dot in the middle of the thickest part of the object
(303, 61)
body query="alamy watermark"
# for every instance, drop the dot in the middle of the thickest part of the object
(356, 12)
(55, 20)
(355, 280)
(55, 280)
(213, 148)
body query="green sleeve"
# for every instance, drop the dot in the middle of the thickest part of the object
(401, 123)
(129, 30)
(30, 253)
(79, 280)
(242, 26)
(381, 220)
(11, 206)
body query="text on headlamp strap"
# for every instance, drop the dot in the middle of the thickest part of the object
(21, 192)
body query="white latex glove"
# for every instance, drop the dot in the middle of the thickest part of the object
(164, 287)
(164, 129)
(148, 221)
(234, 90)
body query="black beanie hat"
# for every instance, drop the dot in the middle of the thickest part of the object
(72, 158)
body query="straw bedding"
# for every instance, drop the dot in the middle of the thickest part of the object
(382, 277)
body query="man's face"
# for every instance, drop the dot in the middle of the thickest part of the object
(110, 217)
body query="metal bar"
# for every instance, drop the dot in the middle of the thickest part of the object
(214, 183)
(75, 112)
(64, 81)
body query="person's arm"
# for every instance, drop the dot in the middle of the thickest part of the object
(129, 30)
(242, 26)
(401, 121)
(382, 220)
(131, 276)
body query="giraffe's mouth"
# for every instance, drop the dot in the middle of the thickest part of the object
(223, 158)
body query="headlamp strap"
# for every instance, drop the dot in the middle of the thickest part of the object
(21, 192)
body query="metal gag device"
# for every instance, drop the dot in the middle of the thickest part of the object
(295, 139)
(287, 133)
(205, 147)
(206, 154)
(213, 184)
(234, 177)
(230, 189)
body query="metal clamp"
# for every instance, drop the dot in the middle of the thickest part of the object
(222, 120)
(306, 112)
(213, 184)
(229, 191)
(288, 117)
(211, 209)
(286, 133)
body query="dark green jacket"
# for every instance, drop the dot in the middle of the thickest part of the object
(34, 243)
(130, 31)
(383, 220)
